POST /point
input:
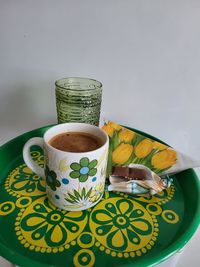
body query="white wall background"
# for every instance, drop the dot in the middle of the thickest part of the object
(146, 53)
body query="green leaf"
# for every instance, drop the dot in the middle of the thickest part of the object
(84, 162)
(75, 166)
(147, 159)
(76, 193)
(135, 159)
(72, 197)
(69, 200)
(138, 139)
(89, 192)
(53, 187)
(74, 174)
(93, 164)
(83, 178)
(57, 183)
(83, 193)
(52, 174)
(115, 140)
(92, 172)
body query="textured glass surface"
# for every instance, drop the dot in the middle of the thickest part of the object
(78, 100)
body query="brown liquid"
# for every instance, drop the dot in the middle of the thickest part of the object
(76, 142)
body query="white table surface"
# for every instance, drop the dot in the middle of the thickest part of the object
(146, 53)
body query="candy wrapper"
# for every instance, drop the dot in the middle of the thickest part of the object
(141, 165)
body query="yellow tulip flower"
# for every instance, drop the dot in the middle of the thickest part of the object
(143, 148)
(159, 146)
(122, 153)
(114, 125)
(108, 129)
(126, 135)
(164, 159)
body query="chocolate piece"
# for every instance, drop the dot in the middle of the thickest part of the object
(120, 171)
(131, 173)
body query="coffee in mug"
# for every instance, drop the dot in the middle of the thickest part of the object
(76, 142)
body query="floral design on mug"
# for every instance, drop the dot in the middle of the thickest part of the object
(84, 196)
(51, 179)
(97, 192)
(83, 169)
(79, 196)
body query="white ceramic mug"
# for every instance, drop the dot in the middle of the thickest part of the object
(75, 181)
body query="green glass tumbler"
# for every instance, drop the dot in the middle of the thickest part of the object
(78, 100)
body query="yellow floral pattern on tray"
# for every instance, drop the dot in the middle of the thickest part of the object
(44, 225)
(119, 226)
(23, 182)
(127, 146)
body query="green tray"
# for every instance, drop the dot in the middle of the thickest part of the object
(121, 230)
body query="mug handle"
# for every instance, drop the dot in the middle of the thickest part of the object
(35, 141)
